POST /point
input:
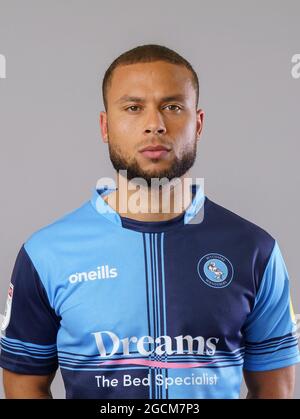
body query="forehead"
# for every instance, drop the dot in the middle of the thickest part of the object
(157, 78)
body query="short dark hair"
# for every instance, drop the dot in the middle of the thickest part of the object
(146, 54)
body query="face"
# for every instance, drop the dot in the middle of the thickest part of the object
(151, 105)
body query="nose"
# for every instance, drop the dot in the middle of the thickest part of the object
(155, 123)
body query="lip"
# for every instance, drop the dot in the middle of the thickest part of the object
(155, 151)
(155, 154)
(157, 147)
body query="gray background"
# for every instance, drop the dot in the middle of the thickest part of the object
(51, 148)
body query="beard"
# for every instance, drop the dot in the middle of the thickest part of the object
(178, 167)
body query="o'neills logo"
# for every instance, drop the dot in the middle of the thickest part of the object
(102, 272)
(164, 345)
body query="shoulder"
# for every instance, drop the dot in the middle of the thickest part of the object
(242, 237)
(234, 224)
(45, 244)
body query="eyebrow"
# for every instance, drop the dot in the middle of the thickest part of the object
(127, 98)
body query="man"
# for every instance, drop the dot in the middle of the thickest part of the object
(149, 304)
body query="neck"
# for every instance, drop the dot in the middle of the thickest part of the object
(149, 204)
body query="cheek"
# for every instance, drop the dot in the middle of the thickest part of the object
(117, 130)
(186, 134)
(124, 129)
(184, 125)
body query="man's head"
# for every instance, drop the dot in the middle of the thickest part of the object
(150, 94)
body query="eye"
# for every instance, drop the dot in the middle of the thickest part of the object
(176, 106)
(132, 106)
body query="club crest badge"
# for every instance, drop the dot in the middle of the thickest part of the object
(215, 270)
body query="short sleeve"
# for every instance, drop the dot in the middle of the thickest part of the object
(29, 328)
(270, 329)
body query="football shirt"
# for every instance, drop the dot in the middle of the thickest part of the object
(152, 310)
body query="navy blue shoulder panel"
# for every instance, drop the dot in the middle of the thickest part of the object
(241, 236)
(32, 318)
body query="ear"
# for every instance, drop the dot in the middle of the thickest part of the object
(200, 118)
(103, 126)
